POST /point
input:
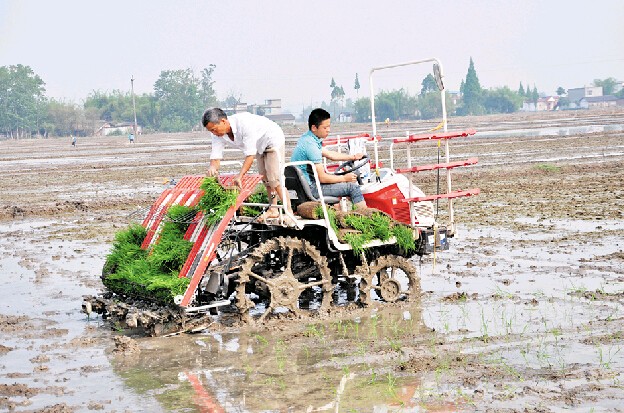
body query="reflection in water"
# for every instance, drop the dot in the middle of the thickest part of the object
(345, 365)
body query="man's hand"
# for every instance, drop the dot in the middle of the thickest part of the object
(237, 182)
(212, 171)
(350, 177)
(357, 156)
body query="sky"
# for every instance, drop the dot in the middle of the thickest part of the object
(290, 49)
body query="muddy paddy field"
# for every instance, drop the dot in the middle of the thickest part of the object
(524, 313)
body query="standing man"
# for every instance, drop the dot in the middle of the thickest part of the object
(257, 137)
(73, 140)
(310, 148)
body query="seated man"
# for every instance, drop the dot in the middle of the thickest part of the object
(310, 148)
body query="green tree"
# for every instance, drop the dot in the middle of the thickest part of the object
(362, 110)
(608, 85)
(232, 99)
(114, 107)
(521, 90)
(22, 98)
(208, 94)
(180, 99)
(563, 102)
(560, 91)
(385, 106)
(332, 85)
(472, 94)
(356, 86)
(428, 85)
(502, 100)
(337, 96)
(337, 93)
(64, 119)
(534, 94)
(430, 105)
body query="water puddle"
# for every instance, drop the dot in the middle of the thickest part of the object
(551, 131)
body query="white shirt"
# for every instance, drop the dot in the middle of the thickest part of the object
(253, 134)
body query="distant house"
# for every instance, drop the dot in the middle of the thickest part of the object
(282, 118)
(345, 117)
(117, 129)
(547, 103)
(272, 106)
(598, 102)
(543, 104)
(236, 108)
(575, 95)
(454, 97)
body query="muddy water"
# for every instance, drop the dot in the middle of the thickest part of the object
(523, 313)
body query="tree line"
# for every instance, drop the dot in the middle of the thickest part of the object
(179, 96)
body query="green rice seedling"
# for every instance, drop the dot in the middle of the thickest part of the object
(381, 226)
(357, 242)
(331, 216)
(133, 271)
(395, 345)
(342, 328)
(373, 377)
(280, 355)
(260, 339)
(606, 359)
(315, 330)
(181, 217)
(484, 327)
(260, 196)
(126, 248)
(216, 200)
(404, 237)
(360, 222)
(362, 349)
(356, 329)
(171, 251)
(391, 387)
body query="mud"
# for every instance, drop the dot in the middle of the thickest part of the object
(522, 314)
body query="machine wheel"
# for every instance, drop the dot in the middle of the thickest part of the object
(283, 274)
(388, 279)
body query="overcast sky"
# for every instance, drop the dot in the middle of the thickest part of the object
(291, 49)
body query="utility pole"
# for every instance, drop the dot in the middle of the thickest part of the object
(133, 106)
